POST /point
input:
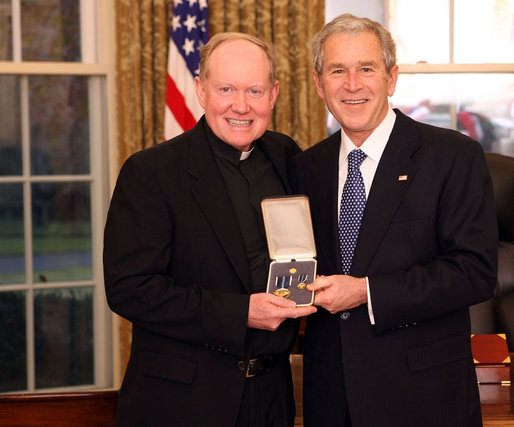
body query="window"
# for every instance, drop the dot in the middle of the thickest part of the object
(53, 179)
(456, 61)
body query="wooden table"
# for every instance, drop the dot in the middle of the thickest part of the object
(497, 400)
(80, 409)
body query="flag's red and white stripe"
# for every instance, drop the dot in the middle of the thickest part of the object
(189, 32)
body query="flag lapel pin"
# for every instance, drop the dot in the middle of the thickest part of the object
(402, 178)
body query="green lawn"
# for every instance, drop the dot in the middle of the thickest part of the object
(54, 238)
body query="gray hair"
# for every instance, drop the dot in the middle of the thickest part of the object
(220, 38)
(353, 25)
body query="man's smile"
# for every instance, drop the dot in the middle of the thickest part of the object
(239, 123)
(356, 101)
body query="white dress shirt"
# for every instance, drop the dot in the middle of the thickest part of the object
(373, 147)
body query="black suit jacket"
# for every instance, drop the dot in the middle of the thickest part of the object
(428, 246)
(175, 266)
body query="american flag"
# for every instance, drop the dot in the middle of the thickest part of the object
(189, 32)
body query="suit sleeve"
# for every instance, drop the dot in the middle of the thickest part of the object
(138, 248)
(464, 232)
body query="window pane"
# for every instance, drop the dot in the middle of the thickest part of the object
(61, 231)
(484, 31)
(373, 9)
(10, 125)
(63, 321)
(467, 102)
(50, 30)
(5, 30)
(59, 125)
(13, 346)
(412, 25)
(12, 250)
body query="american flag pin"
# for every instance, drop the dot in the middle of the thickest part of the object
(402, 178)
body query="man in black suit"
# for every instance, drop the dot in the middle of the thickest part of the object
(391, 346)
(186, 261)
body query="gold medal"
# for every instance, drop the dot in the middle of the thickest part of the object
(285, 293)
(301, 285)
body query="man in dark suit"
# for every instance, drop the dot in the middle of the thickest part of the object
(186, 261)
(391, 346)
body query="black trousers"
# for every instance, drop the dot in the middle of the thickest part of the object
(268, 400)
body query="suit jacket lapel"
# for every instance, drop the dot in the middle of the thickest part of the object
(211, 194)
(393, 177)
(322, 187)
(278, 157)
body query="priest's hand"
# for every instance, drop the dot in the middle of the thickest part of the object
(268, 311)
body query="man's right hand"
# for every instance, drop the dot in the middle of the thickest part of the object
(269, 311)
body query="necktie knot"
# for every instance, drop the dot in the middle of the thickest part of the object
(355, 158)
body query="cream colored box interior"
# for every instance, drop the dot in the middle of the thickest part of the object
(291, 247)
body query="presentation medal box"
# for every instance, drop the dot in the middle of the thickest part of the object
(291, 247)
(492, 358)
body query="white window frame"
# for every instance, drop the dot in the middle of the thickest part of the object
(98, 63)
(451, 66)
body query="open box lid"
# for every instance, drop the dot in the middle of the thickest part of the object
(288, 224)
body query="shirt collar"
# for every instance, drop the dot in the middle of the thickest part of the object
(246, 154)
(375, 143)
(226, 151)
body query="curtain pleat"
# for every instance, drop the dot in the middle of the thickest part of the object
(142, 38)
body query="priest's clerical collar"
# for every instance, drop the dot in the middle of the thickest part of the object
(224, 150)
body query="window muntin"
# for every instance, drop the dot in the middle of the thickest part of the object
(53, 120)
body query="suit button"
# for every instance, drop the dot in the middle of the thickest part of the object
(241, 365)
(345, 315)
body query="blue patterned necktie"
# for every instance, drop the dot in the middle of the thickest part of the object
(353, 201)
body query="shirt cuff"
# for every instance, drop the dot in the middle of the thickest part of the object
(370, 307)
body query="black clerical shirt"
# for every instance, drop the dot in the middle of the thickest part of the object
(248, 182)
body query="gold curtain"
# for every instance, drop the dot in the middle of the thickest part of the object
(142, 31)
(141, 61)
(141, 64)
(289, 25)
